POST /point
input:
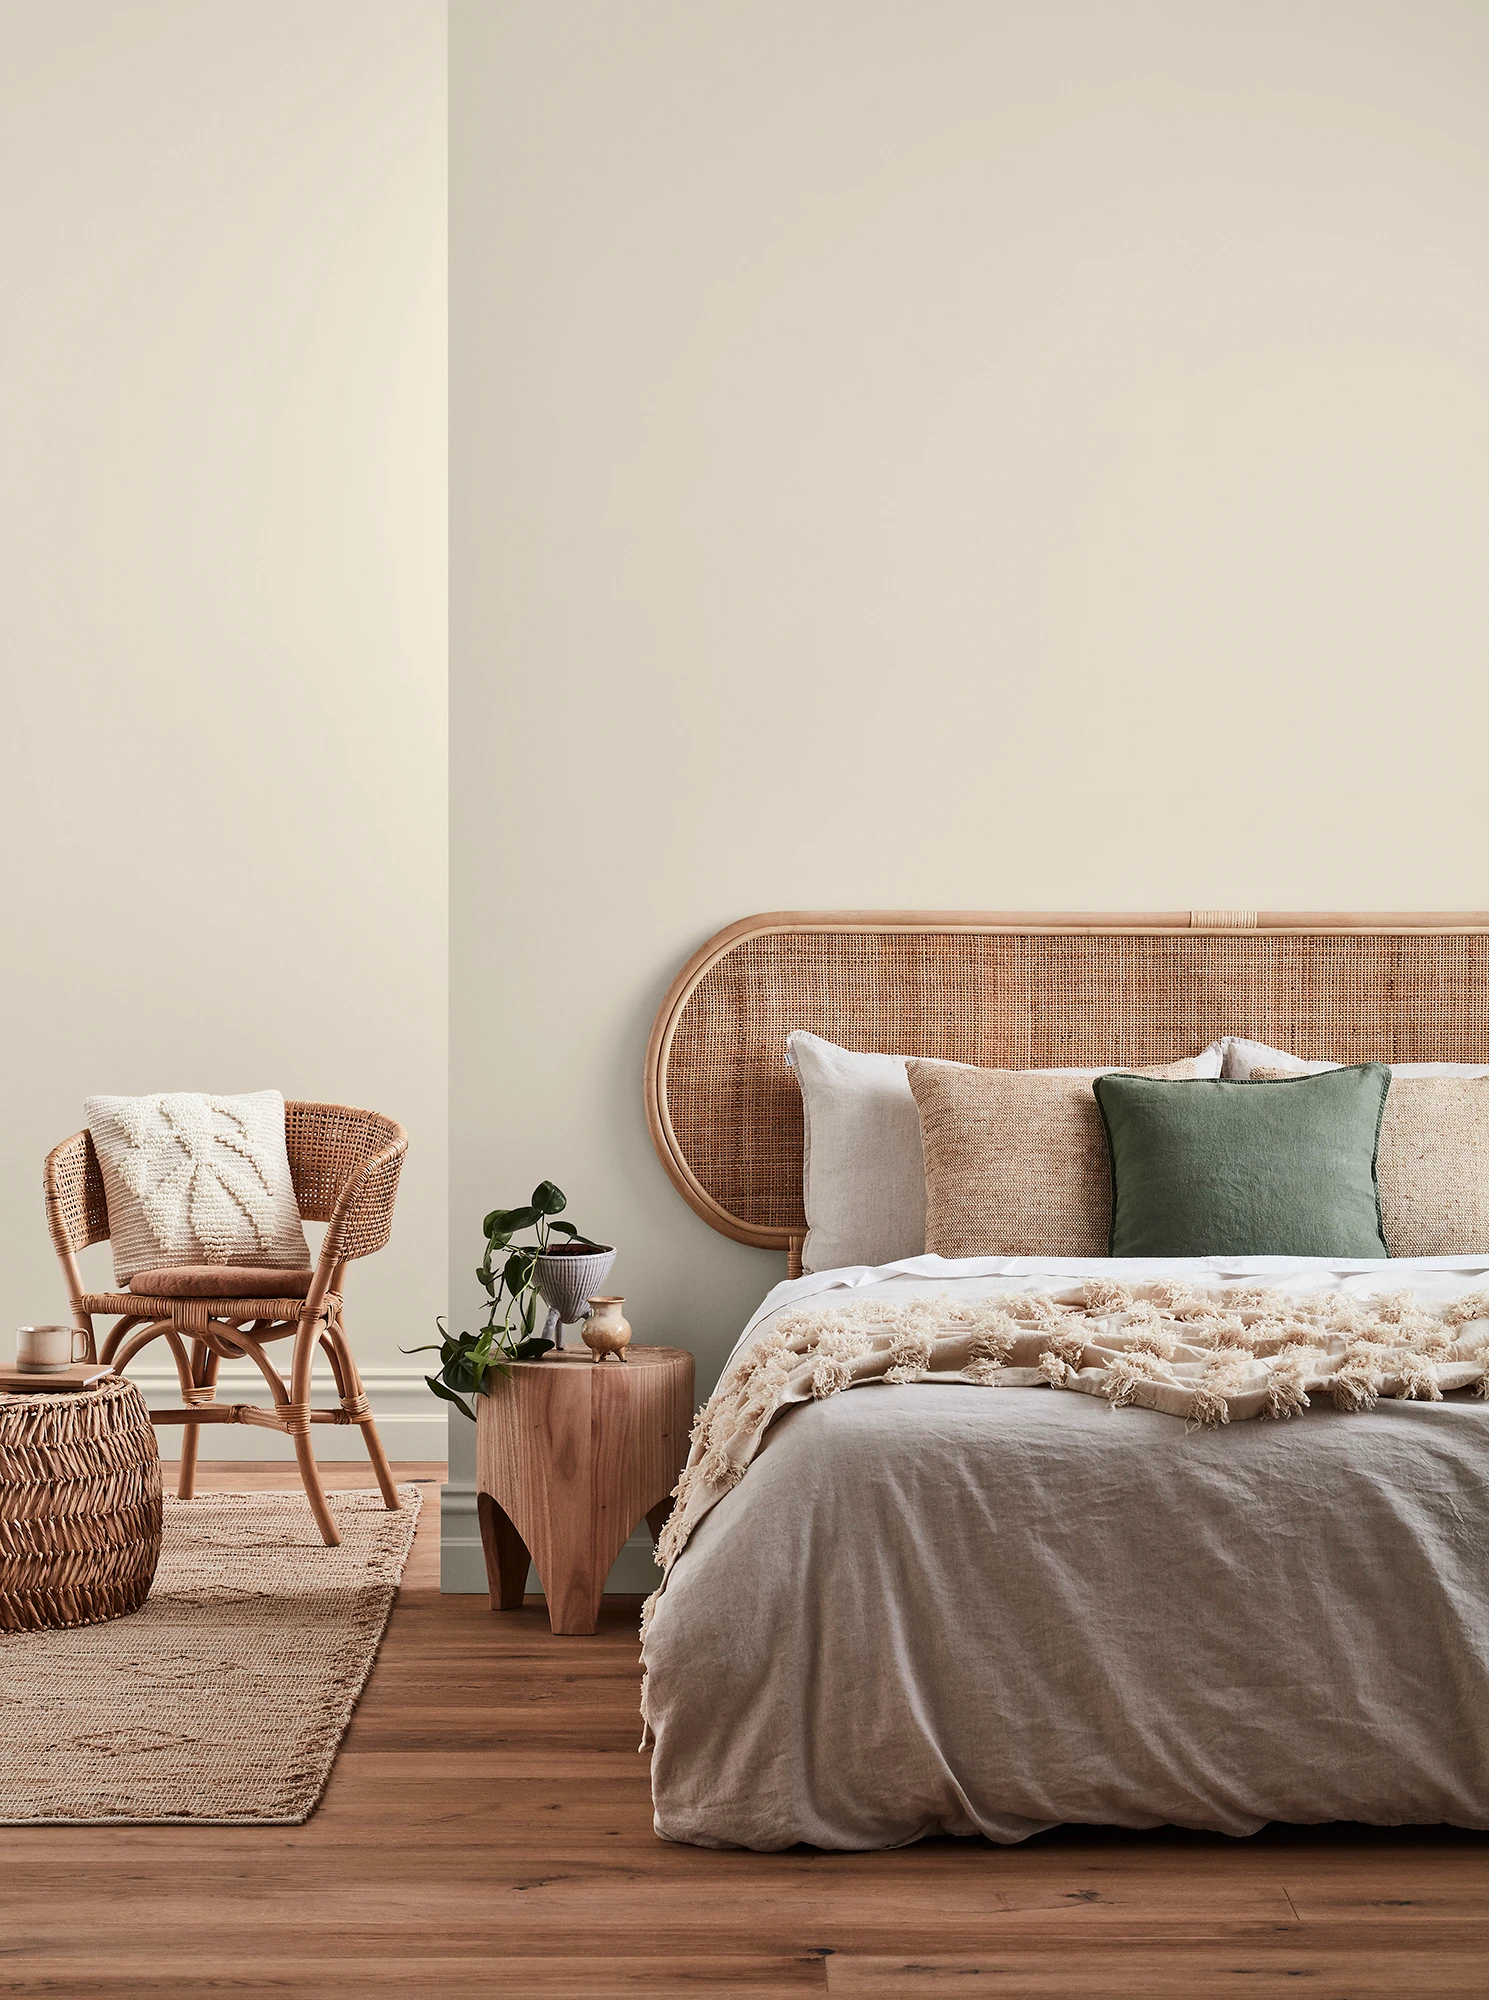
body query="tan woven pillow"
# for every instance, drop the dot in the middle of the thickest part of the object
(1432, 1164)
(1015, 1161)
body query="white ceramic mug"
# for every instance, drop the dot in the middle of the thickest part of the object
(41, 1348)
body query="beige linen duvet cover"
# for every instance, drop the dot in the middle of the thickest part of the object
(935, 1607)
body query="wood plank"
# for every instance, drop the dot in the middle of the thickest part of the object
(1404, 1894)
(429, 1978)
(1331, 1968)
(578, 1906)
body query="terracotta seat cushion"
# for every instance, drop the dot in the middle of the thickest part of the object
(220, 1281)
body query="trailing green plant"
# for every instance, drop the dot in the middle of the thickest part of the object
(467, 1361)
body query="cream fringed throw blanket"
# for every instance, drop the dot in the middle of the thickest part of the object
(1206, 1357)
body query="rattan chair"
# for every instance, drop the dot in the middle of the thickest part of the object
(345, 1165)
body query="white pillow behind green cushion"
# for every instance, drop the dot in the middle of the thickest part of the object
(1241, 1058)
(196, 1179)
(863, 1167)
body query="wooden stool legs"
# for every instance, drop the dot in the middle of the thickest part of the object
(506, 1555)
(570, 1457)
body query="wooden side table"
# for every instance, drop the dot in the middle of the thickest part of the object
(571, 1453)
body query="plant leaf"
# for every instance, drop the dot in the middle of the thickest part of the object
(433, 1348)
(562, 1229)
(548, 1199)
(518, 1270)
(507, 1221)
(449, 1396)
(529, 1350)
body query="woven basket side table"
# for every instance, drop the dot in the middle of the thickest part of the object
(571, 1454)
(80, 1512)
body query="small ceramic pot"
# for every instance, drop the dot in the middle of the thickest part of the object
(565, 1278)
(607, 1330)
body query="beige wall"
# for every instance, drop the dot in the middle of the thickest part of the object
(910, 453)
(222, 555)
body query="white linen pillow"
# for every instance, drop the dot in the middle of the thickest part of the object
(863, 1167)
(197, 1179)
(1241, 1057)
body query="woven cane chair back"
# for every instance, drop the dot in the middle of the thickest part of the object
(329, 1145)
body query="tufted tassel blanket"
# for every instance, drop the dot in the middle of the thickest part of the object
(1205, 1357)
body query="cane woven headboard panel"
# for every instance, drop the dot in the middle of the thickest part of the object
(1022, 991)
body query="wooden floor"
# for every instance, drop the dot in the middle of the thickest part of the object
(488, 1831)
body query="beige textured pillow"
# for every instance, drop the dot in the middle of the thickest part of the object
(1432, 1164)
(1015, 1161)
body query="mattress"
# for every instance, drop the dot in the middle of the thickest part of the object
(933, 1608)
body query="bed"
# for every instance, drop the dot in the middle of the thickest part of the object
(923, 1608)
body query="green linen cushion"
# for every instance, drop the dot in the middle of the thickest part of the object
(1231, 1169)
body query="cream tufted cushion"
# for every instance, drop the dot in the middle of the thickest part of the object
(193, 1179)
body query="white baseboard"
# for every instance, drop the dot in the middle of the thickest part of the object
(410, 1421)
(462, 1566)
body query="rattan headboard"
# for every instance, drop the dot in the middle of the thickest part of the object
(1023, 991)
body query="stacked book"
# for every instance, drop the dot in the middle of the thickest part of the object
(77, 1375)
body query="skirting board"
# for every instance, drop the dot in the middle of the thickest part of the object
(410, 1421)
(462, 1566)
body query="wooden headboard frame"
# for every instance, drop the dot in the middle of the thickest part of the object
(1025, 990)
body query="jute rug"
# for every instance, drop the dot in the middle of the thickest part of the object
(225, 1698)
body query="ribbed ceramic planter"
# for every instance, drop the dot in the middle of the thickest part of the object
(565, 1279)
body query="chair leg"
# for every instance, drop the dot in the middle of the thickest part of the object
(204, 1364)
(298, 1416)
(349, 1384)
(315, 1493)
(186, 1477)
(380, 1464)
